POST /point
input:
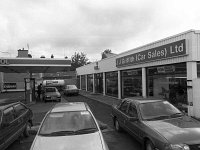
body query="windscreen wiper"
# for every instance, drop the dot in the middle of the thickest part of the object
(160, 117)
(86, 130)
(58, 133)
(176, 115)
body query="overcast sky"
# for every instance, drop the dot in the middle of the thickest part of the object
(63, 27)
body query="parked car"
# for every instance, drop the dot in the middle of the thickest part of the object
(157, 124)
(71, 90)
(15, 120)
(51, 94)
(69, 126)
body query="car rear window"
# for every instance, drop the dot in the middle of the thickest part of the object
(67, 121)
(50, 90)
(71, 87)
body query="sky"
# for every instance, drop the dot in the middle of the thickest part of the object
(63, 27)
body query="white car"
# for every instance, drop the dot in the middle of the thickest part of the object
(51, 94)
(69, 126)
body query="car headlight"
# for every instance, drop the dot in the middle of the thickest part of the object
(177, 147)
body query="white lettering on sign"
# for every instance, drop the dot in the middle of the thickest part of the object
(177, 49)
(3, 62)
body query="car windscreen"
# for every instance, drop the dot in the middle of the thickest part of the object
(158, 110)
(50, 90)
(68, 123)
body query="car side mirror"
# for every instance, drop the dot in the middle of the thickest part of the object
(132, 119)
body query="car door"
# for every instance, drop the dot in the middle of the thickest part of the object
(9, 126)
(21, 116)
(135, 128)
(1, 130)
(122, 113)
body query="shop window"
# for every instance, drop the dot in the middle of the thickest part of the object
(83, 84)
(198, 69)
(98, 78)
(168, 82)
(131, 83)
(112, 84)
(90, 82)
(78, 82)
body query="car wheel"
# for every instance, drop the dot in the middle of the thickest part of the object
(117, 126)
(27, 129)
(149, 145)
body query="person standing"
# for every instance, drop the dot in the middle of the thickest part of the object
(39, 90)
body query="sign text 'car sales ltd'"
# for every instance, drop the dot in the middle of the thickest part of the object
(162, 52)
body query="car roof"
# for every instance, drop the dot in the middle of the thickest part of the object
(142, 100)
(50, 87)
(5, 105)
(69, 106)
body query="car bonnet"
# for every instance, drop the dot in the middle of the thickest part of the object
(178, 130)
(75, 142)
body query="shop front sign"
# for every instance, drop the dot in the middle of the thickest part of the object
(4, 62)
(9, 85)
(174, 49)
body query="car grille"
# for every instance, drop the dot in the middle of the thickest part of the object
(195, 147)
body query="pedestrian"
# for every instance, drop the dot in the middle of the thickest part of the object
(39, 90)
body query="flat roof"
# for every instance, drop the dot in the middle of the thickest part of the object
(32, 65)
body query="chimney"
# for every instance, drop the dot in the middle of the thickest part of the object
(22, 53)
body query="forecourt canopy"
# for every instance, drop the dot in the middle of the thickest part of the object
(32, 65)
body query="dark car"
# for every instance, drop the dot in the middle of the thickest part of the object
(157, 124)
(71, 90)
(15, 120)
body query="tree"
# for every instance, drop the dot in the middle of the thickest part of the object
(78, 60)
(106, 53)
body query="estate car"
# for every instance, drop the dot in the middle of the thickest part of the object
(15, 120)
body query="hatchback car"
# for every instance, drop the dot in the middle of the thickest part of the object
(15, 120)
(51, 94)
(157, 124)
(69, 126)
(71, 90)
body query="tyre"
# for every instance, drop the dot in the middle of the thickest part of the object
(27, 129)
(117, 126)
(149, 145)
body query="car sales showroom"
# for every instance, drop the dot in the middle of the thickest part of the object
(168, 68)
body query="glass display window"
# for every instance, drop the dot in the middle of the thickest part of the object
(83, 82)
(90, 82)
(168, 82)
(198, 69)
(131, 83)
(78, 82)
(112, 84)
(98, 78)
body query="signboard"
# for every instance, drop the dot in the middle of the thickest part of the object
(162, 52)
(166, 69)
(9, 85)
(4, 62)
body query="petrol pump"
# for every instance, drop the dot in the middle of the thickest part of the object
(29, 90)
